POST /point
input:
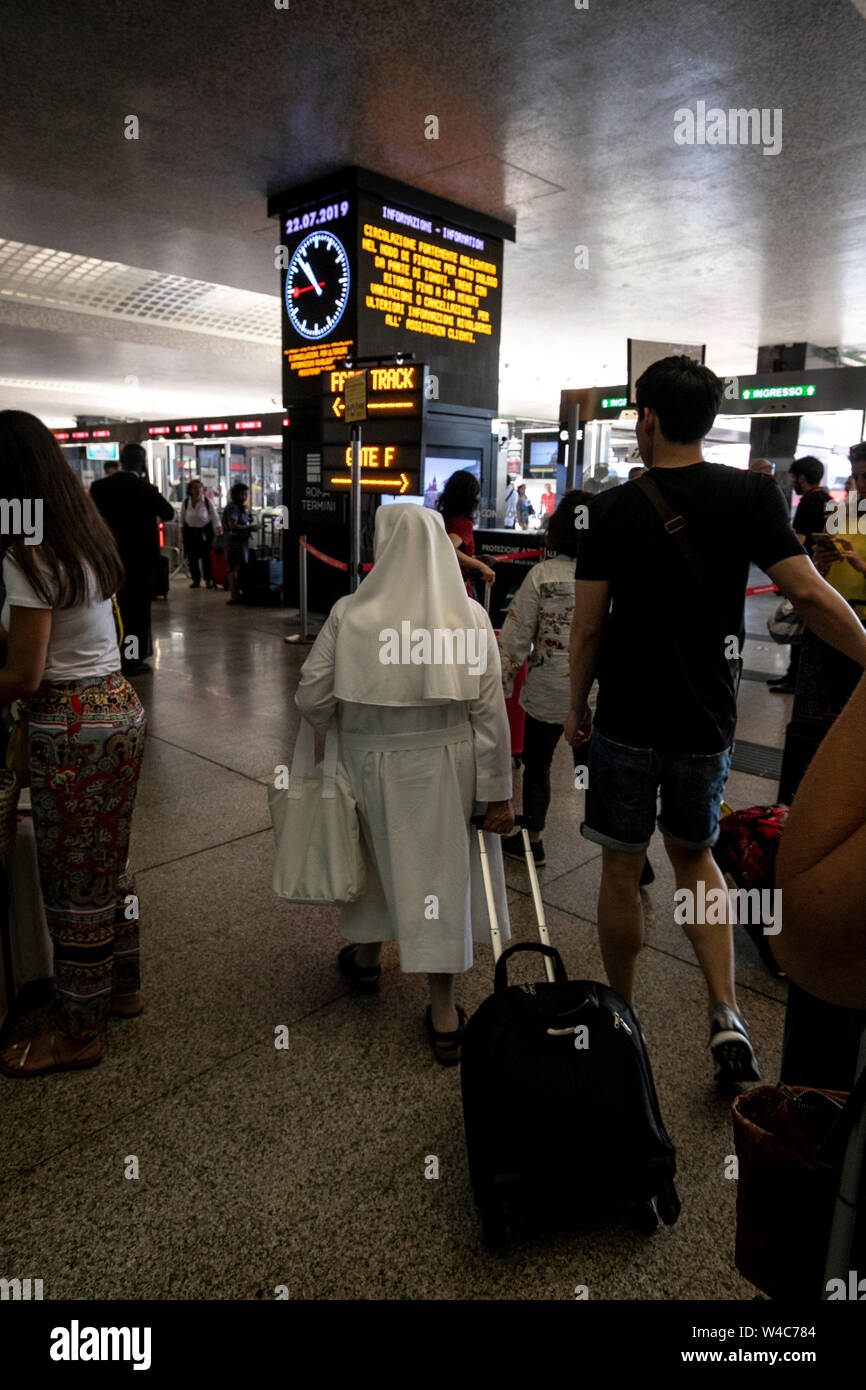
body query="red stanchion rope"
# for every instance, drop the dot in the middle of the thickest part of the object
(494, 560)
(328, 559)
(320, 555)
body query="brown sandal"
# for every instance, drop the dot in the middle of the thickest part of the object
(447, 1046)
(79, 1061)
(365, 978)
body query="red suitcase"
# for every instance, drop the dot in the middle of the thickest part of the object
(219, 568)
(516, 713)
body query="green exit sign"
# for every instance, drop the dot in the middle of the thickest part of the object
(777, 393)
(614, 402)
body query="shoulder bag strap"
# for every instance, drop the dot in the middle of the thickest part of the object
(675, 524)
(678, 529)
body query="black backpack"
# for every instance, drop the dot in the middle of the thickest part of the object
(559, 1105)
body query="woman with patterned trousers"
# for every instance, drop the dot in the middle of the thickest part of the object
(86, 730)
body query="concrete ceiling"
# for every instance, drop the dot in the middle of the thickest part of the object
(559, 119)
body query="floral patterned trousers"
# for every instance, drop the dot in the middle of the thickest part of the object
(86, 748)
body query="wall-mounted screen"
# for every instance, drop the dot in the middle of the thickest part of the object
(439, 466)
(107, 453)
(540, 453)
(432, 288)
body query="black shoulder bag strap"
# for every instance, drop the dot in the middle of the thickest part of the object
(677, 528)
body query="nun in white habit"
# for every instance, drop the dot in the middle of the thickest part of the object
(409, 667)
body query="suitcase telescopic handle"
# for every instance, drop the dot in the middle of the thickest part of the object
(522, 823)
(500, 978)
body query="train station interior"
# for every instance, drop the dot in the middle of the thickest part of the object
(516, 205)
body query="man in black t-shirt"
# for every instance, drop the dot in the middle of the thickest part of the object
(667, 660)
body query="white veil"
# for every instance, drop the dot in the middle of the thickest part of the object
(415, 587)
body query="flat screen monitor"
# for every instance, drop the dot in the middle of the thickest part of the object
(543, 455)
(540, 453)
(439, 466)
(105, 453)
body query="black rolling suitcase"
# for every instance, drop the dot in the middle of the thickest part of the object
(559, 1104)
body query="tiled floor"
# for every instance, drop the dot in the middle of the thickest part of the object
(305, 1167)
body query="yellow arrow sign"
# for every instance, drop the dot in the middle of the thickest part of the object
(338, 406)
(381, 482)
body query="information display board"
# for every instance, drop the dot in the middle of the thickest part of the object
(435, 289)
(371, 268)
(391, 433)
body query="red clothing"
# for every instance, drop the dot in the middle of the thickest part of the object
(462, 526)
(548, 503)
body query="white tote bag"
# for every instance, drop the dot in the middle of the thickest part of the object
(316, 828)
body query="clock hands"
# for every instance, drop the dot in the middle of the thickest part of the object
(305, 289)
(305, 267)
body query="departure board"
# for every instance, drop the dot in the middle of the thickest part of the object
(432, 288)
(372, 269)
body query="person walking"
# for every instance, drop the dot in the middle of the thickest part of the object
(132, 506)
(683, 648)
(422, 742)
(200, 524)
(86, 731)
(537, 627)
(238, 525)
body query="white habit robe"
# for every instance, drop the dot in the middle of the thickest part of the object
(417, 773)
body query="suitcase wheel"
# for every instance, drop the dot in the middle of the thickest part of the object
(668, 1203)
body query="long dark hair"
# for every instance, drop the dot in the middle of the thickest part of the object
(459, 496)
(74, 534)
(562, 535)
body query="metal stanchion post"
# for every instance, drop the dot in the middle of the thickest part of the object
(302, 590)
(355, 538)
(304, 637)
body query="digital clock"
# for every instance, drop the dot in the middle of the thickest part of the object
(317, 285)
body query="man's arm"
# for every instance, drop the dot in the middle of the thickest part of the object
(821, 867)
(823, 610)
(591, 602)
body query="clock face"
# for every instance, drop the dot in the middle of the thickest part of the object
(317, 285)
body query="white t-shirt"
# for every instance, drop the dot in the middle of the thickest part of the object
(83, 640)
(200, 515)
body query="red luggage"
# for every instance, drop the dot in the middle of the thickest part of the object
(219, 568)
(516, 713)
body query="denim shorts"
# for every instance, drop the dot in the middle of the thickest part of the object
(623, 786)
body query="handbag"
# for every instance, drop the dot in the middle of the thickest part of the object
(786, 626)
(316, 828)
(791, 1143)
